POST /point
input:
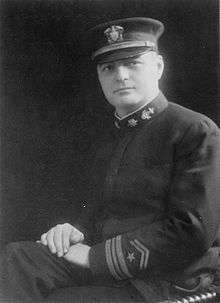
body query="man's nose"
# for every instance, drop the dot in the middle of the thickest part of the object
(122, 73)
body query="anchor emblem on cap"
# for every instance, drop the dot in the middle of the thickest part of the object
(114, 34)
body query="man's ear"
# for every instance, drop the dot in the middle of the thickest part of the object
(160, 66)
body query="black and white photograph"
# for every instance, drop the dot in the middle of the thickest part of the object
(109, 151)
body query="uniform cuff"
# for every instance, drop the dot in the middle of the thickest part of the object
(97, 261)
(107, 260)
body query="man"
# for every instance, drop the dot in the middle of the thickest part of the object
(153, 210)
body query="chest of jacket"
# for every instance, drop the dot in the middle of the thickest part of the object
(136, 174)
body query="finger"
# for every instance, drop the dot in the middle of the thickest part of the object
(43, 239)
(50, 242)
(66, 239)
(57, 239)
(76, 236)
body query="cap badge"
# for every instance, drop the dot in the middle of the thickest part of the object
(132, 122)
(114, 34)
(146, 114)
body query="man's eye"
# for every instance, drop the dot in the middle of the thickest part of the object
(107, 68)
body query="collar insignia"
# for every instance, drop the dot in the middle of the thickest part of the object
(146, 114)
(132, 122)
(142, 115)
(114, 34)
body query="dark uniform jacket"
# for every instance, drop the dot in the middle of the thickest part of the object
(154, 199)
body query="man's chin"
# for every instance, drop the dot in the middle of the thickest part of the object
(128, 100)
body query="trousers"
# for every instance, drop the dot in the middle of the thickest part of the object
(31, 273)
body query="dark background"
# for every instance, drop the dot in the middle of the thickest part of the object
(52, 112)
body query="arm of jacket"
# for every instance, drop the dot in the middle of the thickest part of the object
(189, 226)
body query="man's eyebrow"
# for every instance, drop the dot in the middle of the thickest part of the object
(130, 59)
(104, 64)
(134, 58)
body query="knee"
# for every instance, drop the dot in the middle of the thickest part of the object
(9, 256)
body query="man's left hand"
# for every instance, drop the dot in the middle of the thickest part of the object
(78, 254)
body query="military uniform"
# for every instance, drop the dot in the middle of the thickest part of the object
(159, 193)
(152, 208)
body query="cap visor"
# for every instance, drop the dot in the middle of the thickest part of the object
(122, 54)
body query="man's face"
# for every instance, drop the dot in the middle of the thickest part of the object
(129, 83)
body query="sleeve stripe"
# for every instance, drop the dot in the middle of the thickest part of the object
(115, 259)
(109, 260)
(121, 257)
(144, 253)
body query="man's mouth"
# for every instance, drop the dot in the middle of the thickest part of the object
(123, 89)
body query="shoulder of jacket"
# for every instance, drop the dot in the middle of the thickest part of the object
(188, 118)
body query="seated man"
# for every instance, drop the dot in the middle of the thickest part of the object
(153, 205)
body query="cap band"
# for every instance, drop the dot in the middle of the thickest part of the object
(122, 45)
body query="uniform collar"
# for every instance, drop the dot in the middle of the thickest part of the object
(143, 114)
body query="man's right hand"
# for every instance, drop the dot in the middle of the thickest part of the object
(59, 238)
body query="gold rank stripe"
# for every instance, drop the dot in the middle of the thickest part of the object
(115, 259)
(121, 258)
(110, 261)
(144, 252)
